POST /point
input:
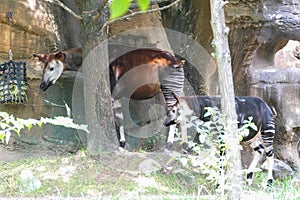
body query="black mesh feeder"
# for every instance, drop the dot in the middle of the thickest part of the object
(12, 77)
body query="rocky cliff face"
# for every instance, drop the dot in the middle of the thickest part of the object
(33, 28)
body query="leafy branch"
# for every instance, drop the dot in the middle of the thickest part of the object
(9, 124)
(214, 142)
(113, 19)
(118, 8)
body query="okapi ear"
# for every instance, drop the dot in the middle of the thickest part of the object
(60, 56)
(42, 57)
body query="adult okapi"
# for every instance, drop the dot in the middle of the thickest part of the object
(263, 118)
(152, 70)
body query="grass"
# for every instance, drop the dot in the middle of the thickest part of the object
(75, 176)
(88, 177)
(287, 188)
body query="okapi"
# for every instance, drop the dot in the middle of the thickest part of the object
(263, 118)
(154, 71)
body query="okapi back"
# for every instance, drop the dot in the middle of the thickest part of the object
(245, 107)
(150, 62)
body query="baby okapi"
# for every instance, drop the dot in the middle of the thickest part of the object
(247, 106)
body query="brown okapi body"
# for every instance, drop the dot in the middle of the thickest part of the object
(247, 106)
(138, 74)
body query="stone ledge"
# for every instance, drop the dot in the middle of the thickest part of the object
(274, 75)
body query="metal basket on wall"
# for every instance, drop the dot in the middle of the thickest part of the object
(12, 76)
(13, 82)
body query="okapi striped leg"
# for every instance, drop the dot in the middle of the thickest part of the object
(122, 137)
(259, 150)
(118, 114)
(171, 134)
(184, 137)
(270, 161)
(268, 137)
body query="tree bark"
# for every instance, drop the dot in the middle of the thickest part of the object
(98, 109)
(222, 53)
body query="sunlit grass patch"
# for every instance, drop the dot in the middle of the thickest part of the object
(283, 189)
(182, 185)
(88, 177)
(75, 176)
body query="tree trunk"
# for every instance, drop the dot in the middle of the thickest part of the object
(97, 98)
(220, 32)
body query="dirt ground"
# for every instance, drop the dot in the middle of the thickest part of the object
(7, 155)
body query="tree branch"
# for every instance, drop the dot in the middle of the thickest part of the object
(139, 12)
(60, 4)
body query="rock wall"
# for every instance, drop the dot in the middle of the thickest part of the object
(275, 76)
(33, 28)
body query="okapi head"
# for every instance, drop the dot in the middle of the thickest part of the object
(55, 63)
(174, 115)
(53, 68)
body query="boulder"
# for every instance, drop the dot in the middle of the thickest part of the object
(280, 169)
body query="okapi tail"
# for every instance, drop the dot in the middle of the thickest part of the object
(274, 111)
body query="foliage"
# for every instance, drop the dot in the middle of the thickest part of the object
(151, 143)
(120, 7)
(9, 124)
(214, 142)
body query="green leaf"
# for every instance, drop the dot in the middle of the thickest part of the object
(40, 124)
(143, 4)
(253, 126)
(2, 136)
(29, 127)
(118, 8)
(184, 161)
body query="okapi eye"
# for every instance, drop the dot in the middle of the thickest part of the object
(51, 68)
